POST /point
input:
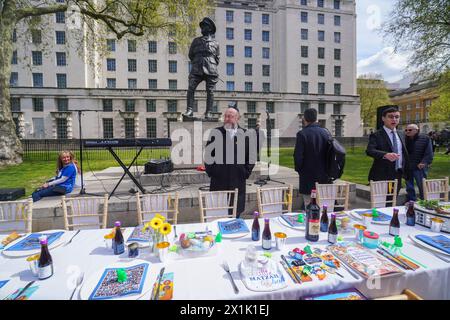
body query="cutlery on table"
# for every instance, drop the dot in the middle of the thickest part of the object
(76, 233)
(226, 267)
(79, 282)
(29, 284)
(161, 273)
(297, 277)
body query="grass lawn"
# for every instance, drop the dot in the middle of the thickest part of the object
(31, 174)
(357, 164)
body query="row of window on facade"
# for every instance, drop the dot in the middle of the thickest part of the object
(418, 104)
(38, 80)
(36, 58)
(321, 3)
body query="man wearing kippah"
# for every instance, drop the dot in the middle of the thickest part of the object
(230, 156)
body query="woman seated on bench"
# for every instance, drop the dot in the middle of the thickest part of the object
(65, 178)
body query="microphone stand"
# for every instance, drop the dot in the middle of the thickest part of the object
(264, 181)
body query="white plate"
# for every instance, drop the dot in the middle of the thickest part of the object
(357, 216)
(214, 227)
(283, 222)
(25, 253)
(412, 236)
(90, 284)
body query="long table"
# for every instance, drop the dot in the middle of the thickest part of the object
(204, 279)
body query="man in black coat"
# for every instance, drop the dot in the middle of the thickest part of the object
(230, 156)
(387, 147)
(204, 54)
(310, 155)
(420, 152)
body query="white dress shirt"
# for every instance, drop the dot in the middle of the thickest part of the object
(399, 143)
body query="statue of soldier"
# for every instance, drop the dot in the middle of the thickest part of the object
(204, 55)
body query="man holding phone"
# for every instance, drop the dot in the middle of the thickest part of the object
(388, 149)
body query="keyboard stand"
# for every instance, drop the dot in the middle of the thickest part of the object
(126, 170)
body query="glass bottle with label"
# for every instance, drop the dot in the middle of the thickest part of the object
(118, 242)
(266, 236)
(394, 227)
(324, 219)
(332, 230)
(411, 215)
(45, 264)
(312, 219)
(255, 227)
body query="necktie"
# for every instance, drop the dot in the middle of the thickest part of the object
(395, 145)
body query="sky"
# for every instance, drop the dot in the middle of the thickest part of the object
(375, 54)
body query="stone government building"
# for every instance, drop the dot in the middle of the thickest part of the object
(279, 56)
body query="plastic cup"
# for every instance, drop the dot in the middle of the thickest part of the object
(163, 250)
(280, 240)
(436, 224)
(359, 232)
(33, 264)
(367, 219)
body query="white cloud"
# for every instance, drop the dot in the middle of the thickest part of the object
(392, 66)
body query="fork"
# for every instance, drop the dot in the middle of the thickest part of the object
(226, 267)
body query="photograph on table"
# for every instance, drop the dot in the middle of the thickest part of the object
(109, 287)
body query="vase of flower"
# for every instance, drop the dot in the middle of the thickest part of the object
(159, 232)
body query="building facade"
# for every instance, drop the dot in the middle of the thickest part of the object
(414, 104)
(277, 58)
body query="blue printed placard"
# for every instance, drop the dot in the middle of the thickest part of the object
(31, 242)
(233, 226)
(382, 217)
(138, 235)
(3, 282)
(108, 287)
(439, 242)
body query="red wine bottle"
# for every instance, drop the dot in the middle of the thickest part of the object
(266, 236)
(118, 242)
(394, 227)
(324, 219)
(411, 215)
(312, 219)
(255, 227)
(332, 230)
(45, 264)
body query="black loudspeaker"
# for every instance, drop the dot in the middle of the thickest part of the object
(380, 114)
(11, 194)
(158, 166)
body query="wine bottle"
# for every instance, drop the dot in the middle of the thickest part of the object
(118, 242)
(394, 227)
(45, 264)
(266, 236)
(411, 215)
(332, 230)
(255, 227)
(324, 219)
(312, 219)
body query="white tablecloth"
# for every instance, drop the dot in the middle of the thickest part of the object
(204, 279)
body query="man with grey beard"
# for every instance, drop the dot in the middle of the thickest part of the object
(230, 156)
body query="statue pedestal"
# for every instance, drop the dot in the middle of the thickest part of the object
(188, 142)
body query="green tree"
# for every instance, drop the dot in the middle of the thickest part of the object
(421, 27)
(440, 108)
(92, 21)
(372, 94)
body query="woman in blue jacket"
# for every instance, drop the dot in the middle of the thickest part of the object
(64, 180)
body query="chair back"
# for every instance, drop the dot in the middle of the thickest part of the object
(277, 200)
(16, 216)
(85, 212)
(333, 195)
(147, 205)
(436, 189)
(383, 193)
(215, 205)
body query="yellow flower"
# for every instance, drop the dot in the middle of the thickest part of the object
(162, 218)
(156, 223)
(165, 229)
(146, 226)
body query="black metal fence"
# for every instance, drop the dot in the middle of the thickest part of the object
(48, 149)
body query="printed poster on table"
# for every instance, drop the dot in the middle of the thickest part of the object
(31, 242)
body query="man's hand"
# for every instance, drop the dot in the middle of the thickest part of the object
(391, 156)
(421, 165)
(44, 186)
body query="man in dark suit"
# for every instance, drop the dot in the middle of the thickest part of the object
(388, 149)
(230, 156)
(204, 54)
(310, 155)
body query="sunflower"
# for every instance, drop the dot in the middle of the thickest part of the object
(165, 229)
(156, 223)
(160, 217)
